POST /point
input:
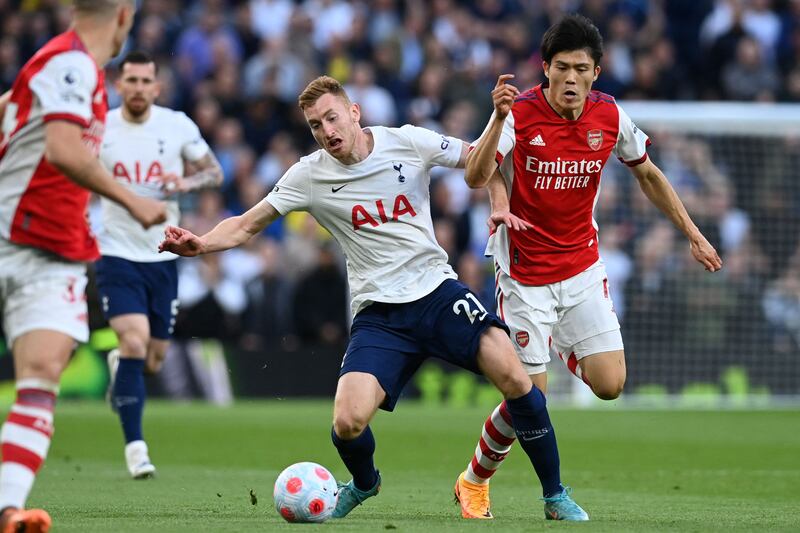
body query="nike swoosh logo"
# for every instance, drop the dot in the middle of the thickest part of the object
(337, 189)
(527, 439)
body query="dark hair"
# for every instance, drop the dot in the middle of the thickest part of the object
(573, 32)
(138, 57)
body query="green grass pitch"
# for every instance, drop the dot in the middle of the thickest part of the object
(631, 470)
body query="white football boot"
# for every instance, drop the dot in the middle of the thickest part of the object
(139, 464)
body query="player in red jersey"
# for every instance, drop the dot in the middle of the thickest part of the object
(53, 121)
(551, 143)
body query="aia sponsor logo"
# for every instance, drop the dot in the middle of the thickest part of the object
(522, 338)
(594, 139)
(138, 174)
(362, 217)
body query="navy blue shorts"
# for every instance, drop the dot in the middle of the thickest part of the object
(144, 288)
(391, 341)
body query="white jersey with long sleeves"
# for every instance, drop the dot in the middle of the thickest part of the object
(138, 156)
(379, 211)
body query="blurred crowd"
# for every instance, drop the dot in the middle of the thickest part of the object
(236, 68)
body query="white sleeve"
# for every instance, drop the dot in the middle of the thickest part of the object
(65, 87)
(433, 148)
(632, 143)
(193, 146)
(293, 190)
(507, 137)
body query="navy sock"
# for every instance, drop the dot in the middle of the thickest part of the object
(128, 397)
(536, 436)
(357, 456)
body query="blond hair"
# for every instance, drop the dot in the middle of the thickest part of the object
(318, 87)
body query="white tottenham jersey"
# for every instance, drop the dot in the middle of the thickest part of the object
(139, 155)
(379, 211)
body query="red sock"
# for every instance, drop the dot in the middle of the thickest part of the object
(25, 439)
(495, 443)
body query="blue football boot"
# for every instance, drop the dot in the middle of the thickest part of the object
(349, 496)
(562, 507)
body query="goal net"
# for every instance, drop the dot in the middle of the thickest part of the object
(734, 336)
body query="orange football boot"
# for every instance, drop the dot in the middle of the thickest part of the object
(473, 498)
(25, 521)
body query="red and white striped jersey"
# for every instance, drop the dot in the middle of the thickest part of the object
(552, 167)
(39, 206)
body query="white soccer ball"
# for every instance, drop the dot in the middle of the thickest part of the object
(305, 492)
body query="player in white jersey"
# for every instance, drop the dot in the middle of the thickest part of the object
(156, 153)
(370, 189)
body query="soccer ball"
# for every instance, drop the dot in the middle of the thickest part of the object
(305, 492)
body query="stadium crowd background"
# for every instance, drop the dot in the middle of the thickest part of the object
(236, 69)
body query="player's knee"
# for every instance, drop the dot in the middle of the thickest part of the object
(518, 386)
(348, 426)
(46, 369)
(514, 383)
(609, 389)
(132, 344)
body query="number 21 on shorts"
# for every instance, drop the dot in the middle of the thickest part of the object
(464, 305)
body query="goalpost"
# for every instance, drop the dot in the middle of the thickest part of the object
(691, 337)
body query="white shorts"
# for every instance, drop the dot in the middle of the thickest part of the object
(39, 290)
(576, 316)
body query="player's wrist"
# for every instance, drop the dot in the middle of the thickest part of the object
(203, 246)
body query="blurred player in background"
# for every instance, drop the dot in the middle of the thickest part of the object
(370, 189)
(551, 144)
(155, 153)
(53, 125)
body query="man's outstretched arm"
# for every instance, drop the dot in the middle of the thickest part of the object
(659, 191)
(229, 233)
